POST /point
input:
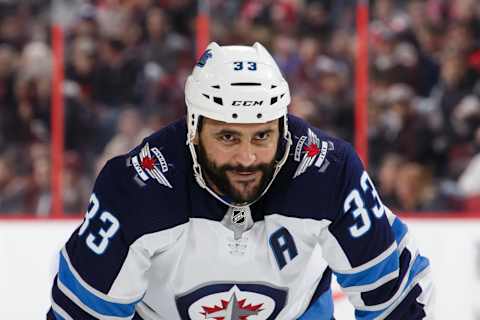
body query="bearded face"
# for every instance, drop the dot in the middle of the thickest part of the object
(238, 160)
(239, 183)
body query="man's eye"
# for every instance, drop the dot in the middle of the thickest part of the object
(262, 136)
(227, 137)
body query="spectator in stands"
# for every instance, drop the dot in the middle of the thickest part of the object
(333, 97)
(457, 81)
(80, 70)
(32, 94)
(117, 75)
(81, 113)
(401, 129)
(469, 180)
(76, 186)
(130, 132)
(415, 191)
(301, 106)
(468, 114)
(9, 115)
(163, 56)
(163, 45)
(12, 186)
(285, 53)
(303, 79)
(85, 23)
(315, 20)
(387, 177)
(112, 17)
(39, 194)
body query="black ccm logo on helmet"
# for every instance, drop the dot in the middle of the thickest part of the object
(247, 103)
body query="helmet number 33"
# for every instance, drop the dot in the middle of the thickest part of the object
(239, 65)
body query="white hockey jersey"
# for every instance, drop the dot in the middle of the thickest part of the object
(154, 245)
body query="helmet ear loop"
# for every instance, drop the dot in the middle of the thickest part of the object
(193, 136)
(283, 139)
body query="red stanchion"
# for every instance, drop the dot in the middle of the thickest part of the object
(361, 82)
(57, 121)
(202, 36)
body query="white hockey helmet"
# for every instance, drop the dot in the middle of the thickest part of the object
(236, 84)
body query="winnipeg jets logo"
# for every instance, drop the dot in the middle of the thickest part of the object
(232, 301)
(232, 309)
(203, 59)
(151, 166)
(311, 148)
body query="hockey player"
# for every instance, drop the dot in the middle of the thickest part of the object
(247, 220)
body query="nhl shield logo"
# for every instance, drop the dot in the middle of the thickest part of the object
(232, 301)
(151, 164)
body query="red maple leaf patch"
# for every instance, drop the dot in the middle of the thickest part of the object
(312, 150)
(148, 163)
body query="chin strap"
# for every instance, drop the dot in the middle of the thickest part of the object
(197, 170)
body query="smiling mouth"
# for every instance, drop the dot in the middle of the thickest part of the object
(245, 173)
(244, 176)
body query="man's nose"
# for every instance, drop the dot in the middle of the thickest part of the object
(246, 155)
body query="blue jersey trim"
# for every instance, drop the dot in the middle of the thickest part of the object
(97, 304)
(372, 274)
(322, 309)
(57, 316)
(73, 310)
(367, 315)
(399, 229)
(420, 264)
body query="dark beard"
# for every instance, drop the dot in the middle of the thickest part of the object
(217, 175)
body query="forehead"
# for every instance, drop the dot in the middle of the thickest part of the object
(216, 125)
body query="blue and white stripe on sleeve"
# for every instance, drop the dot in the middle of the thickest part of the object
(377, 287)
(88, 298)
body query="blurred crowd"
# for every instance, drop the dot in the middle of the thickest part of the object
(126, 62)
